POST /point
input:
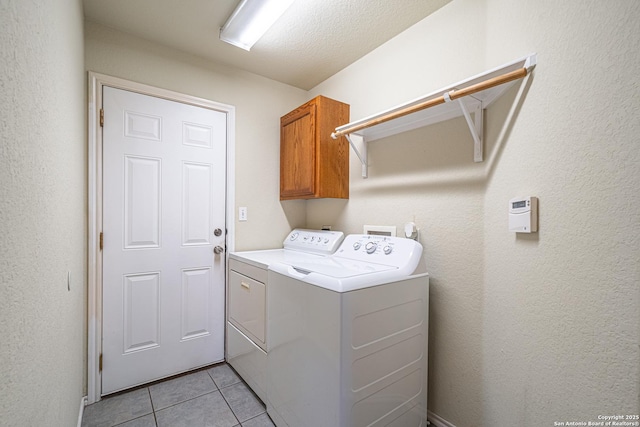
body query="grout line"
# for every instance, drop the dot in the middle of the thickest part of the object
(254, 395)
(153, 407)
(214, 381)
(132, 419)
(187, 400)
(231, 409)
(259, 415)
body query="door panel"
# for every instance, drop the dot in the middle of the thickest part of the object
(141, 303)
(164, 186)
(196, 204)
(195, 302)
(141, 202)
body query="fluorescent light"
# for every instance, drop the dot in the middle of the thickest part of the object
(250, 20)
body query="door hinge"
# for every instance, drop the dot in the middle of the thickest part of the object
(102, 117)
(100, 363)
(101, 240)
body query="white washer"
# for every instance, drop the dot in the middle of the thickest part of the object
(247, 335)
(348, 337)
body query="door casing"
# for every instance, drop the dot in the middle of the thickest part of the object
(94, 269)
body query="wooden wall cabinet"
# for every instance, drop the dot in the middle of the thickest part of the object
(312, 164)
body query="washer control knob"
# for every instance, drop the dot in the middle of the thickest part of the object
(294, 236)
(371, 247)
(357, 245)
(387, 250)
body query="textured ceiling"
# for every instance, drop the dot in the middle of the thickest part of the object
(313, 40)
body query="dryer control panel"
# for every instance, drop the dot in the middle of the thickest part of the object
(316, 241)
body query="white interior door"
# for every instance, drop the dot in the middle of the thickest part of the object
(163, 199)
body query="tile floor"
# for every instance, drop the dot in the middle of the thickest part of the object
(213, 397)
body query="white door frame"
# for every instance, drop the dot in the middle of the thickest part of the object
(94, 269)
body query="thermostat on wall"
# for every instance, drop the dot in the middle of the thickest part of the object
(523, 214)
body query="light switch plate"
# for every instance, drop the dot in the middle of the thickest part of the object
(242, 213)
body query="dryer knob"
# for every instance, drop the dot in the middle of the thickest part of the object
(356, 246)
(387, 250)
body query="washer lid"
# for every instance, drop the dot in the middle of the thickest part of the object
(338, 267)
(300, 244)
(347, 280)
(264, 258)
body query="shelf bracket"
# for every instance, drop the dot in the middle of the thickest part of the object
(475, 127)
(475, 124)
(361, 153)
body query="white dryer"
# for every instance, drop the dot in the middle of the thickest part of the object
(247, 337)
(348, 337)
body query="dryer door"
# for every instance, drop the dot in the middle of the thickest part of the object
(247, 306)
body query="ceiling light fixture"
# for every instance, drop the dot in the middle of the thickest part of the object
(250, 20)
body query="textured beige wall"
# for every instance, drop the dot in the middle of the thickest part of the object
(42, 212)
(525, 330)
(259, 103)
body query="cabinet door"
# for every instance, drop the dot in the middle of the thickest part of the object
(298, 153)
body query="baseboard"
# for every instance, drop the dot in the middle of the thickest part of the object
(437, 420)
(83, 403)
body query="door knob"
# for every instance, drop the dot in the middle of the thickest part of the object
(217, 232)
(218, 249)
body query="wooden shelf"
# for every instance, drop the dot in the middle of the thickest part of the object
(466, 98)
